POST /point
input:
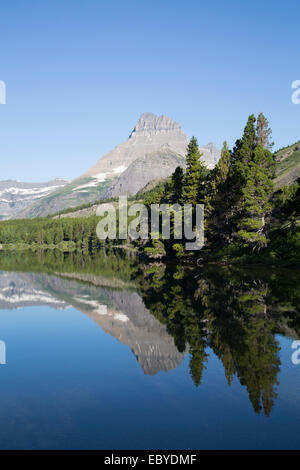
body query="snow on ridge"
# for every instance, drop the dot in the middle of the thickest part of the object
(16, 191)
(99, 178)
(121, 317)
(120, 169)
(37, 296)
(87, 185)
(28, 192)
(101, 309)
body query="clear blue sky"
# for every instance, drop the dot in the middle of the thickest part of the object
(80, 72)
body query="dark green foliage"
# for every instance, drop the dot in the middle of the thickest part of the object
(214, 199)
(284, 243)
(194, 175)
(255, 201)
(107, 263)
(291, 204)
(238, 195)
(248, 189)
(49, 232)
(176, 186)
(157, 194)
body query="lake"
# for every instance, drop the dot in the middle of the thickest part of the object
(104, 352)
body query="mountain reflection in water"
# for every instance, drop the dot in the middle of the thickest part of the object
(165, 312)
(121, 313)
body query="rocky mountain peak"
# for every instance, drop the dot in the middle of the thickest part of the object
(156, 146)
(149, 124)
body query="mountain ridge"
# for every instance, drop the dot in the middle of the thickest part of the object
(16, 196)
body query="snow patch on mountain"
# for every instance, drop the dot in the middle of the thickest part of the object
(16, 196)
(119, 169)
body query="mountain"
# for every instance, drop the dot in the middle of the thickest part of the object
(158, 164)
(154, 148)
(149, 135)
(121, 313)
(153, 166)
(74, 194)
(17, 291)
(15, 196)
(288, 165)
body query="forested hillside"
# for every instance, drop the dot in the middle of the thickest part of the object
(288, 165)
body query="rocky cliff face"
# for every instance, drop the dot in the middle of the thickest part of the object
(153, 166)
(15, 196)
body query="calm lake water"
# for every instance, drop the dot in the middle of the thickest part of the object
(105, 353)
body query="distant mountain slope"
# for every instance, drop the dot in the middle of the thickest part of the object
(288, 166)
(154, 148)
(76, 193)
(16, 196)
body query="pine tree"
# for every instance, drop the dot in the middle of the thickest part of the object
(263, 132)
(255, 201)
(243, 152)
(216, 194)
(176, 186)
(195, 174)
(241, 156)
(223, 165)
(217, 179)
(256, 172)
(249, 187)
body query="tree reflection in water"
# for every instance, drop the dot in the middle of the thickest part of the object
(235, 312)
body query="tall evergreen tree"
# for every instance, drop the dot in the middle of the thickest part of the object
(217, 179)
(195, 173)
(241, 156)
(255, 201)
(263, 132)
(253, 171)
(249, 187)
(176, 186)
(215, 197)
(243, 151)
